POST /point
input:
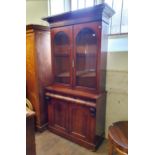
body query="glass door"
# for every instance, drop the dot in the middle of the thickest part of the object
(85, 55)
(62, 54)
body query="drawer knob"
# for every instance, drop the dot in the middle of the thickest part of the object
(47, 98)
(92, 111)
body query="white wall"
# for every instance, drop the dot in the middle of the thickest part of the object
(117, 87)
(35, 10)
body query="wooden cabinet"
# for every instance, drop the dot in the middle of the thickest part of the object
(76, 98)
(38, 70)
(67, 117)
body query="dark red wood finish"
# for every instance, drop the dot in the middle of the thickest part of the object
(77, 112)
(58, 115)
(97, 13)
(72, 32)
(82, 122)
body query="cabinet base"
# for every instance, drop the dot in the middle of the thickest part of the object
(88, 145)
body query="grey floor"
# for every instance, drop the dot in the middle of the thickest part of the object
(48, 143)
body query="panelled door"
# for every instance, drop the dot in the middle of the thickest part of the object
(58, 115)
(81, 122)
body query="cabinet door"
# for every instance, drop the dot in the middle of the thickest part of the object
(82, 122)
(86, 52)
(61, 53)
(58, 115)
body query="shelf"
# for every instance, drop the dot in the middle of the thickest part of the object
(79, 73)
(61, 54)
(90, 74)
(86, 48)
(86, 54)
(86, 73)
(65, 74)
(62, 48)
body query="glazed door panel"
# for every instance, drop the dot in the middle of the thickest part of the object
(58, 115)
(86, 50)
(62, 54)
(82, 122)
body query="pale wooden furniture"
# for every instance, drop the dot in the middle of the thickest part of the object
(38, 70)
(77, 97)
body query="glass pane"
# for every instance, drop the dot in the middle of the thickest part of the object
(74, 5)
(61, 38)
(59, 5)
(81, 4)
(61, 43)
(89, 3)
(62, 66)
(86, 48)
(99, 1)
(124, 27)
(61, 58)
(116, 19)
(109, 2)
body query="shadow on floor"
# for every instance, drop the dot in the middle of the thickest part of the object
(48, 143)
